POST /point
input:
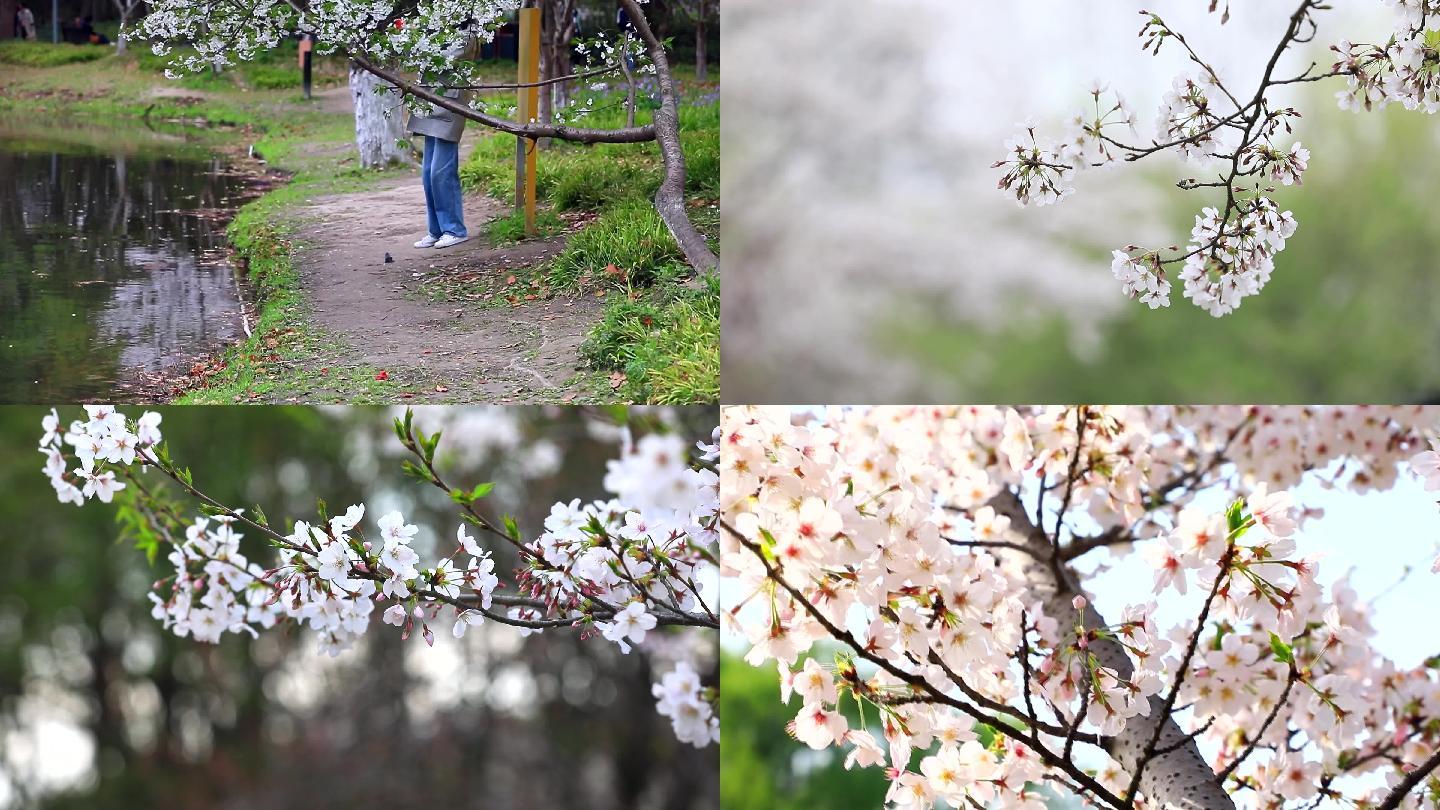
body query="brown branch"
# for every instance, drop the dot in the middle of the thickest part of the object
(1149, 751)
(1415, 777)
(1290, 680)
(527, 130)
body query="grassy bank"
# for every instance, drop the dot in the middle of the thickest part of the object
(659, 337)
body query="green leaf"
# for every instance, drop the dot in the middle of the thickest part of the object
(511, 528)
(481, 490)
(1283, 652)
(1235, 516)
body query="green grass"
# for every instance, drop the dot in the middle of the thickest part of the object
(663, 335)
(632, 238)
(46, 54)
(666, 343)
(507, 229)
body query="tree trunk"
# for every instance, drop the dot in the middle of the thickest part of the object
(1180, 779)
(670, 198)
(557, 28)
(379, 117)
(7, 19)
(702, 55)
(124, 29)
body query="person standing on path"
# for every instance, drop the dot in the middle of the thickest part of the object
(26, 19)
(440, 167)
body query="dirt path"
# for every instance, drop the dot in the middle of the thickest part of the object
(388, 317)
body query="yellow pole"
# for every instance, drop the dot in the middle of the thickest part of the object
(528, 108)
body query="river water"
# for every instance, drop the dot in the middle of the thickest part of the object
(112, 258)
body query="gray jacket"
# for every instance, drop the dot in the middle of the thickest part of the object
(440, 122)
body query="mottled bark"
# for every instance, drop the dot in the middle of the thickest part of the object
(379, 120)
(1180, 778)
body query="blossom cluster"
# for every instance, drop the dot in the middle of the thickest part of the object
(646, 547)
(1230, 260)
(610, 563)
(924, 543)
(422, 40)
(104, 437)
(1404, 70)
(680, 696)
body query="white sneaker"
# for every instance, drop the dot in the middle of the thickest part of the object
(428, 241)
(450, 239)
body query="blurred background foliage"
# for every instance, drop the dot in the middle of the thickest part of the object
(101, 708)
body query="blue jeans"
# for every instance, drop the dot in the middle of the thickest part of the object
(440, 174)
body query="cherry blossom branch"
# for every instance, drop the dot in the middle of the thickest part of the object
(1291, 677)
(1412, 779)
(525, 130)
(1232, 247)
(1168, 707)
(912, 519)
(919, 683)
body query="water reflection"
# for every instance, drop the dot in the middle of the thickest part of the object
(111, 258)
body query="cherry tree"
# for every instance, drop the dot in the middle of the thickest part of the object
(618, 568)
(945, 554)
(127, 9)
(1239, 141)
(412, 47)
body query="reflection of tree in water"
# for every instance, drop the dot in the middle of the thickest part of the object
(101, 267)
(184, 305)
(495, 722)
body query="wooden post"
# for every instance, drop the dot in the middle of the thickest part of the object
(528, 110)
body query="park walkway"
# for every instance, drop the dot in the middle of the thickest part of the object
(387, 316)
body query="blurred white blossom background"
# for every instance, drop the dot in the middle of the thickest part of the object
(871, 257)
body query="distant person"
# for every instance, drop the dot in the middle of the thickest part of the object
(24, 22)
(440, 167)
